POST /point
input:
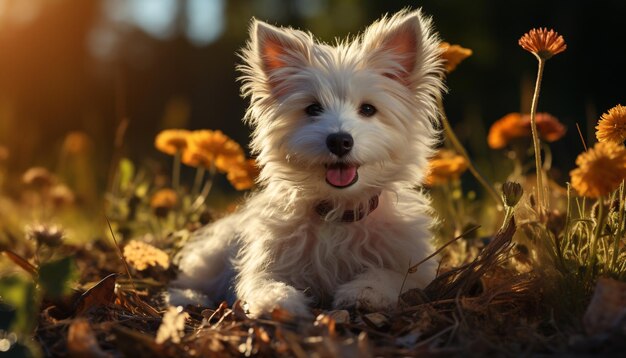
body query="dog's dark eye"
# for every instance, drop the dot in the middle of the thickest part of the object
(367, 110)
(314, 109)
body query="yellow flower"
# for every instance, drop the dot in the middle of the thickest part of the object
(542, 43)
(141, 256)
(600, 170)
(612, 125)
(163, 201)
(445, 165)
(453, 55)
(218, 148)
(242, 176)
(171, 141)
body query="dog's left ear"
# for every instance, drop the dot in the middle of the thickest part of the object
(396, 45)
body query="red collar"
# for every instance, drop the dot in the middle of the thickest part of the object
(324, 207)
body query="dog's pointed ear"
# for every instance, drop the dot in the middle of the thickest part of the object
(278, 49)
(395, 46)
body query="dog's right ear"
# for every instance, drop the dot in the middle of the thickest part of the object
(278, 52)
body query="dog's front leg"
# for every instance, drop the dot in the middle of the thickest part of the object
(373, 290)
(263, 294)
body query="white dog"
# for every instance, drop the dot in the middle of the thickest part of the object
(343, 134)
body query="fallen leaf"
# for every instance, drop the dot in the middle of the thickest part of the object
(282, 315)
(101, 294)
(340, 316)
(377, 320)
(21, 262)
(81, 341)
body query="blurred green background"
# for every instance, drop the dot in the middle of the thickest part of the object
(88, 65)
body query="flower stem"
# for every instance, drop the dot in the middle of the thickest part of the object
(205, 190)
(461, 150)
(597, 233)
(197, 181)
(536, 143)
(176, 171)
(620, 228)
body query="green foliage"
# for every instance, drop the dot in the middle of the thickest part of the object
(20, 294)
(56, 277)
(126, 173)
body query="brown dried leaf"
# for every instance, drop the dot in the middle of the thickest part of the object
(327, 321)
(376, 320)
(282, 315)
(21, 262)
(101, 294)
(340, 316)
(81, 341)
(239, 311)
(461, 280)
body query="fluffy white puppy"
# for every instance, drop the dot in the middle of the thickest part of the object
(342, 134)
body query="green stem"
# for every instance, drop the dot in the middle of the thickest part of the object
(448, 193)
(461, 150)
(536, 143)
(205, 190)
(620, 228)
(597, 232)
(508, 214)
(197, 181)
(176, 171)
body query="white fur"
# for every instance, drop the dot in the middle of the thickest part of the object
(276, 250)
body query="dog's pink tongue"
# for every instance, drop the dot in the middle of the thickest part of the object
(340, 174)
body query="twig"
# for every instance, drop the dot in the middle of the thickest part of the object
(461, 150)
(582, 139)
(119, 251)
(413, 268)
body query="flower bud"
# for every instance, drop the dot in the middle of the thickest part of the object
(511, 193)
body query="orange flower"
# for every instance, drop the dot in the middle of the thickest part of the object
(548, 126)
(612, 125)
(163, 201)
(242, 176)
(171, 141)
(196, 158)
(445, 165)
(600, 170)
(542, 43)
(76, 142)
(453, 55)
(515, 125)
(218, 148)
(505, 129)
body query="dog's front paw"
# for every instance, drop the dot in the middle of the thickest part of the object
(276, 295)
(364, 298)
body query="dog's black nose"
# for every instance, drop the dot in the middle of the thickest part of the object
(340, 143)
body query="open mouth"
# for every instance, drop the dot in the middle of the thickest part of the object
(341, 175)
